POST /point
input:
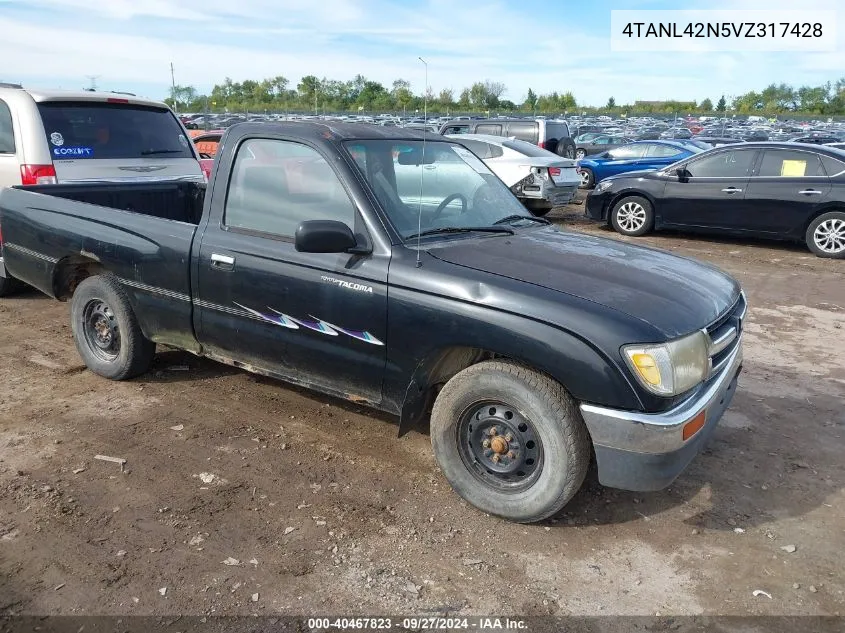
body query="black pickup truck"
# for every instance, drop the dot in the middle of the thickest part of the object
(391, 267)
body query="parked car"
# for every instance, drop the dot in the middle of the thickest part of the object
(676, 133)
(814, 139)
(540, 179)
(716, 141)
(549, 134)
(207, 144)
(786, 191)
(632, 157)
(599, 144)
(55, 136)
(534, 348)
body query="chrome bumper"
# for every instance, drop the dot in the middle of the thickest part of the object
(657, 433)
(2, 267)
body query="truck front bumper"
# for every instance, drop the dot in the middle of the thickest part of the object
(642, 451)
(2, 268)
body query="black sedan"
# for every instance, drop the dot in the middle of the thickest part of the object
(787, 191)
(599, 144)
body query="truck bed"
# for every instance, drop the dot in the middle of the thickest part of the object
(137, 231)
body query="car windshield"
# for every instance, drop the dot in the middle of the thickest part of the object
(433, 185)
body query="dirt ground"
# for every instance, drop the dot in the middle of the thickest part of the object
(241, 495)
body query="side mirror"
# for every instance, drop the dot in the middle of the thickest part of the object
(682, 174)
(324, 236)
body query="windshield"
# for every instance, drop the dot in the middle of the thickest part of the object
(78, 130)
(450, 187)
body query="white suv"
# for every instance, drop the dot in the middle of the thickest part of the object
(52, 137)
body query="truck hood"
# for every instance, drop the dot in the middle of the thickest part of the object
(673, 294)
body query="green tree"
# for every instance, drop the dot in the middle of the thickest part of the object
(721, 105)
(445, 98)
(611, 103)
(531, 99)
(706, 106)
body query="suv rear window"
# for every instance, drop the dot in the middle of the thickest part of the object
(557, 129)
(79, 130)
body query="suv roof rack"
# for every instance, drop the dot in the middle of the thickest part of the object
(4, 84)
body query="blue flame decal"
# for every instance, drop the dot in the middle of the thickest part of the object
(315, 324)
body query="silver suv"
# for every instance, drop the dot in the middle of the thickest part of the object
(50, 136)
(549, 134)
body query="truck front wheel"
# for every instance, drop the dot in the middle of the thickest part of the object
(106, 331)
(510, 440)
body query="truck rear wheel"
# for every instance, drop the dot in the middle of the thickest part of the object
(510, 440)
(106, 331)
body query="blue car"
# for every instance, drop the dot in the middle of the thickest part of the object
(636, 156)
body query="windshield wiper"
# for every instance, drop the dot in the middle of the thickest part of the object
(461, 229)
(512, 218)
(150, 152)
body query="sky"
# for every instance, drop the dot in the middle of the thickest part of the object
(557, 45)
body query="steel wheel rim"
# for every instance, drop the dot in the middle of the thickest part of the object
(500, 446)
(585, 178)
(829, 236)
(101, 331)
(580, 153)
(631, 216)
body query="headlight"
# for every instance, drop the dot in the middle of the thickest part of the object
(602, 185)
(669, 369)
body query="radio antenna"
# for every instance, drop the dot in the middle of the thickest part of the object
(422, 161)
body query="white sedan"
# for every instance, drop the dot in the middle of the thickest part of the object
(539, 178)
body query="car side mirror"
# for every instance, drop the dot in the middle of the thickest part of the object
(324, 236)
(682, 174)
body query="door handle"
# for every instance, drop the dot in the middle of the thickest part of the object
(810, 192)
(430, 167)
(732, 190)
(222, 262)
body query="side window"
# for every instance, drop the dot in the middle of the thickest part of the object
(661, 151)
(489, 128)
(456, 129)
(276, 185)
(729, 164)
(601, 140)
(524, 131)
(627, 152)
(482, 150)
(833, 166)
(789, 163)
(7, 133)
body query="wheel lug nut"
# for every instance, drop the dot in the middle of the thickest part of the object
(486, 443)
(511, 454)
(509, 437)
(495, 458)
(494, 431)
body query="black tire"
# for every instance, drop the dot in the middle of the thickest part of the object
(633, 216)
(565, 148)
(588, 178)
(9, 286)
(106, 331)
(537, 208)
(509, 394)
(825, 236)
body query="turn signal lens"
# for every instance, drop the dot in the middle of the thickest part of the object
(694, 426)
(647, 368)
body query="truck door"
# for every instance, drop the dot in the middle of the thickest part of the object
(317, 319)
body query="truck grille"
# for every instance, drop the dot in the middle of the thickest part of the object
(725, 334)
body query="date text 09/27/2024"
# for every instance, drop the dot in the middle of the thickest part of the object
(776, 30)
(416, 623)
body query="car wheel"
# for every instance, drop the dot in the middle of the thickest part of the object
(632, 216)
(588, 178)
(106, 331)
(510, 440)
(826, 235)
(9, 285)
(565, 148)
(579, 154)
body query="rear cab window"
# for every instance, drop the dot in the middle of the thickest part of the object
(92, 130)
(524, 131)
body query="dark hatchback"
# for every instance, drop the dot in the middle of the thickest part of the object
(786, 191)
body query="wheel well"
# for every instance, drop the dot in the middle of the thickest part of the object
(430, 376)
(816, 215)
(70, 271)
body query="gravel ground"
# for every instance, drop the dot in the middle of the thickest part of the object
(241, 495)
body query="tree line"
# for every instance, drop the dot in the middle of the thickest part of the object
(313, 94)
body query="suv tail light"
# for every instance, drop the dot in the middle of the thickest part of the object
(38, 175)
(554, 171)
(542, 144)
